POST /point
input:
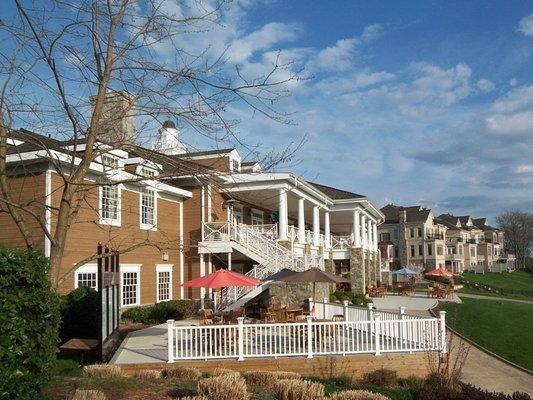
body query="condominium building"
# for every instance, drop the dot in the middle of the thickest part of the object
(415, 238)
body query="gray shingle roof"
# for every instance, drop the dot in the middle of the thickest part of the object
(334, 193)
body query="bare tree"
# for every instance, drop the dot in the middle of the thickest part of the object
(61, 59)
(518, 229)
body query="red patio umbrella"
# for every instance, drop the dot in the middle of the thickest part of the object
(440, 272)
(222, 278)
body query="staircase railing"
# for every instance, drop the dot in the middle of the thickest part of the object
(261, 241)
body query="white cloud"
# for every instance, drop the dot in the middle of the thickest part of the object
(513, 82)
(338, 85)
(341, 56)
(521, 122)
(242, 49)
(524, 169)
(485, 85)
(526, 25)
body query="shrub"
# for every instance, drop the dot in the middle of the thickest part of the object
(471, 392)
(414, 384)
(148, 374)
(80, 394)
(392, 393)
(29, 317)
(103, 371)
(224, 387)
(296, 389)
(194, 398)
(79, 314)
(223, 371)
(266, 379)
(357, 395)
(438, 386)
(182, 374)
(161, 312)
(381, 377)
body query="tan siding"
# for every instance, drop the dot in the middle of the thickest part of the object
(24, 190)
(86, 232)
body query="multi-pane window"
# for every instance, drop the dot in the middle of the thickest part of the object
(110, 202)
(109, 162)
(147, 173)
(384, 237)
(439, 250)
(412, 250)
(419, 232)
(420, 250)
(130, 288)
(86, 279)
(235, 165)
(164, 284)
(148, 216)
(472, 251)
(411, 232)
(430, 249)
(257, 218)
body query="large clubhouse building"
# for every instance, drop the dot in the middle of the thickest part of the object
(175, 215)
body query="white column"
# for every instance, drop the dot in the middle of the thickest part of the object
(301, 221)
(375, 232)
(282, 214)
(327, 233)
(369, 234)
(363, 232)
(229, 261)
(356, 228)
(182, 255)
(316, 226)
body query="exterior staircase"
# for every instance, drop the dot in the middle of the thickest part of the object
(260, 245)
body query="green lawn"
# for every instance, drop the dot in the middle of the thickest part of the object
(518, 283)
(503, 327)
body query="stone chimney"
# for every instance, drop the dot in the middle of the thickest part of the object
(168, 142)
(402, 243)
(118, 117)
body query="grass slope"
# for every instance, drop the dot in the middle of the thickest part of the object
(503, 327)
(518, 280)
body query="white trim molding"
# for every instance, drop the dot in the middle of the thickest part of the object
(86, 269)
(135, 268)
(163, 268)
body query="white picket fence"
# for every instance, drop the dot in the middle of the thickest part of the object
(363, 331)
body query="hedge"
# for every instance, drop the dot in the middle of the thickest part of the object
(161, 312)
(29, 320)
(79, 314)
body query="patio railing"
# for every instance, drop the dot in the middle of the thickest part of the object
(380, 334)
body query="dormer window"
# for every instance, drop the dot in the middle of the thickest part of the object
(235, 165)
(109, 162)
(147, 173)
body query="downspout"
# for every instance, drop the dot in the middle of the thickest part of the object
(48, 211)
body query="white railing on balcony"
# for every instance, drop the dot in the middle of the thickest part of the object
(261, 241)
(341, 242)
(375, 335)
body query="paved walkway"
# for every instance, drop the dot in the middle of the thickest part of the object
(416, 302)
(488, 372)
(480, 296)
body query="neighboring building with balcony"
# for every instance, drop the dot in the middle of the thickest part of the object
(479, 244)
(413, 237)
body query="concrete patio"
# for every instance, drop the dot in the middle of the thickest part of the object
(416, 302)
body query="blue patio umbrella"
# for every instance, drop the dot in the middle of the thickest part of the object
(404, 271)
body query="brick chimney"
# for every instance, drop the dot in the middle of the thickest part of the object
(118, 118)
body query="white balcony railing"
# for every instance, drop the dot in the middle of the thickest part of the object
(341, 242)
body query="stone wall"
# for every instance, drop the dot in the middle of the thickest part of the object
(357, 270)
(295, 295)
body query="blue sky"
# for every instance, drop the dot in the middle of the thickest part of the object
(409, 102)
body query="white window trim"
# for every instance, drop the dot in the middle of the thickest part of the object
(256, 211)
(163, 268)
(234, 157)
(131, 268)
(148, 227)
(111, 221)
(86, 269)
